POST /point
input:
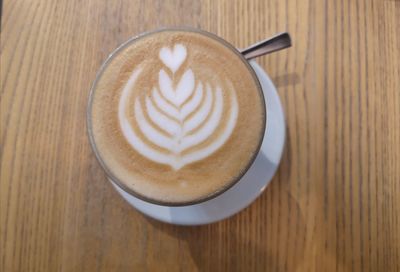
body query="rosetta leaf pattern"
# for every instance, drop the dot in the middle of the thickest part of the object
(178, 115)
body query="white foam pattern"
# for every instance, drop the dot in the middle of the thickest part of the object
(177, 122)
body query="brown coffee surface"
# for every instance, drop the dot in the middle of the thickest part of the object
(181, 151)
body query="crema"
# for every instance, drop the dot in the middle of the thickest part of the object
(176, 116)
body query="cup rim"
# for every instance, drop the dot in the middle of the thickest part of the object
(95, 150)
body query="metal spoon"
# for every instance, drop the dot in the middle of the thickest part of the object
(275, 43)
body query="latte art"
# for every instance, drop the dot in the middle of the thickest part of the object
(181, 114)
(176, 116)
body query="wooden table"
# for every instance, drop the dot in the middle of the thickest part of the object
(334, 204)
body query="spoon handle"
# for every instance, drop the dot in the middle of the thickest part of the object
(275, 43)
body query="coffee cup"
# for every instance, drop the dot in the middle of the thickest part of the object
(176, 116)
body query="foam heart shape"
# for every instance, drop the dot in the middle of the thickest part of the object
(173, 59)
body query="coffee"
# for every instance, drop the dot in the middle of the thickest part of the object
(176, 116)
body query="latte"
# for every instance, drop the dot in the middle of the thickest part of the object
(176, 116)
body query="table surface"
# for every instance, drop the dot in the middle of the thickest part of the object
(334, 204)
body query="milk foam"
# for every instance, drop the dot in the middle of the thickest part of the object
(182, 115)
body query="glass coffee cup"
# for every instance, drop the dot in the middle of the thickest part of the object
(176, 116)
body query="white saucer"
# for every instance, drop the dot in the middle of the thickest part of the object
(247, 189)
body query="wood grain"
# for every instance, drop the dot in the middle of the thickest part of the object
(334, 204)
